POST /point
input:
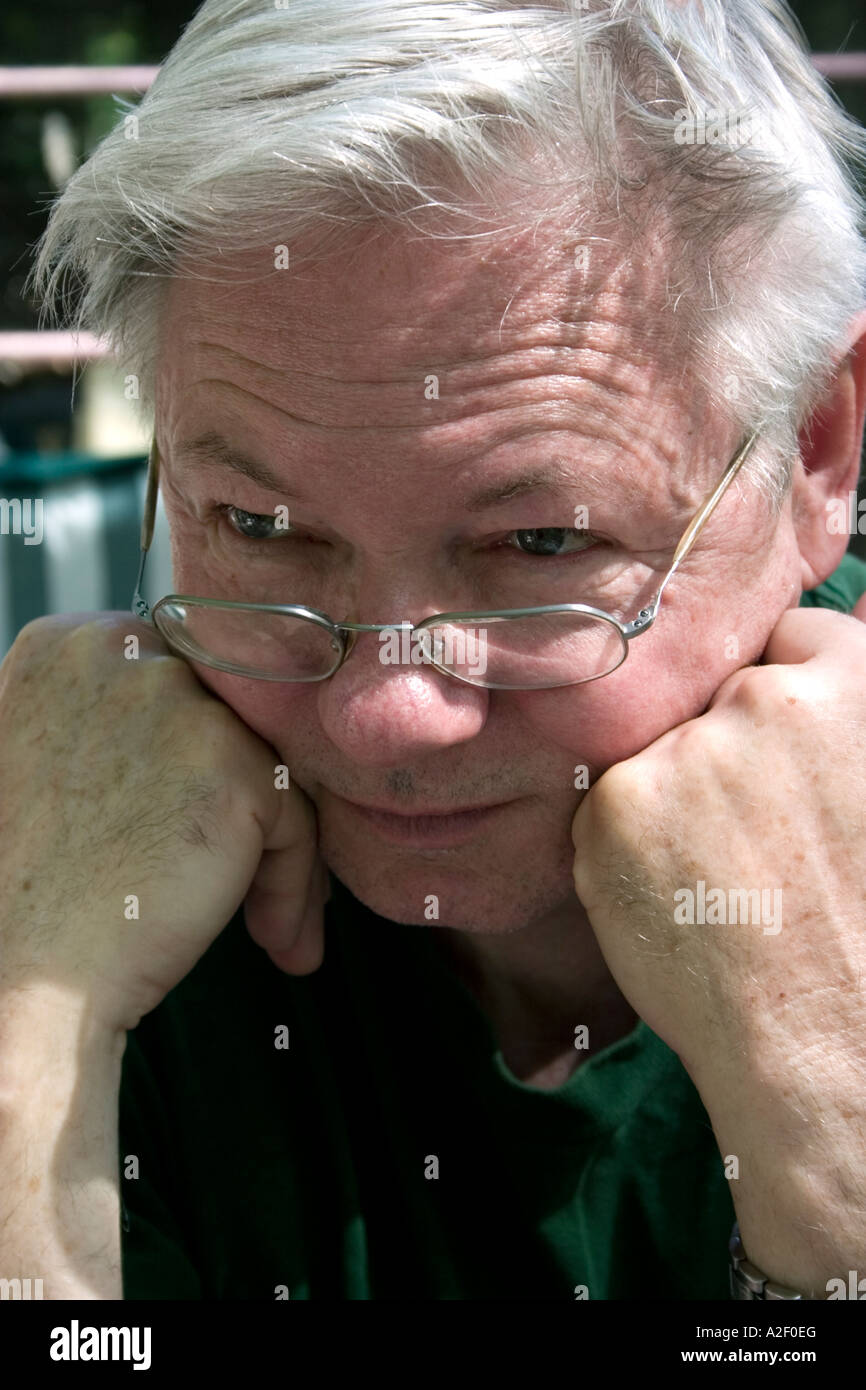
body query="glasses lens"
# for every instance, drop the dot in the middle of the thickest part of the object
(532, 653)
(538, 652)
(271, 646)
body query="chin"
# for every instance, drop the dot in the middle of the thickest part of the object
(466, 898)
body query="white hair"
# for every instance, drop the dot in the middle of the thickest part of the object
(273, 121)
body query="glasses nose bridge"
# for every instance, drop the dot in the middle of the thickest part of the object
(371, 627)
(354, 629)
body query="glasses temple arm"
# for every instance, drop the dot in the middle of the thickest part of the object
(139, 604)
(690, 534)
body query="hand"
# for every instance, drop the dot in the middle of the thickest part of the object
(123, 782)
(763, 791)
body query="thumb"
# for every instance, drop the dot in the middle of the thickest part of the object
(284, 905)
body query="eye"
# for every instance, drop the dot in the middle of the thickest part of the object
(258, 526)
(547, 540)
(553, 542)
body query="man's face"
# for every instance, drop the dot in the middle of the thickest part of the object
(323, 375)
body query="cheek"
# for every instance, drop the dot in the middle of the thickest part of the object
(606, 721)
(266, 707)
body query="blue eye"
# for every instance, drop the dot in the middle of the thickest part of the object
(256, 526)
(537, 542)
(550, 538)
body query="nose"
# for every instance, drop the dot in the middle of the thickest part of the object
(382, 708)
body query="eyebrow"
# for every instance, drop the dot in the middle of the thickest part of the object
(212, 448)
(555, 478)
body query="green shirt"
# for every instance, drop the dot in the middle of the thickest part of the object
(388, 1152)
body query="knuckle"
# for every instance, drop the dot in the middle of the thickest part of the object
(768, 687)
(34, 637)
(751, 685)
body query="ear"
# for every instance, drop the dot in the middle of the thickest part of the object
(830, 444)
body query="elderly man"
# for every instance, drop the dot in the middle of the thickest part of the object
(507, 380)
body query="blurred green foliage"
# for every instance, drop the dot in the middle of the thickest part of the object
(60, 33)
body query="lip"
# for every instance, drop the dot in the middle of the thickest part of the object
(421, 811)
(430, 829)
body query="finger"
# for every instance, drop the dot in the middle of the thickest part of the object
(729, 687)
(859, 609)
(307, 950)
(287, 874)
(802, 634)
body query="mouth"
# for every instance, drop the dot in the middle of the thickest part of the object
(427, 829)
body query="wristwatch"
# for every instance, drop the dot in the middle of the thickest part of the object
(746, 1280)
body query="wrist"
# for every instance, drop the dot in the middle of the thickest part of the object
(794, 1158)
(802, 1232)
(748, 1283)
(47, 1031)
(60, 1072)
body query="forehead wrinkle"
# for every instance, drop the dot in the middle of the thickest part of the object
(612, 301)
(548, 477)
(539, 292)
(536, 406)
(537, 385)
(258, 365)
(616, 319)
(650, 456)
(630, 350)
